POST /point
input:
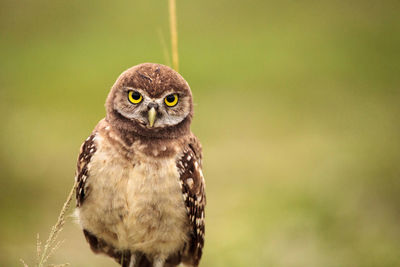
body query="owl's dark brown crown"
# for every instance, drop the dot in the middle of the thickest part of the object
(155, 80)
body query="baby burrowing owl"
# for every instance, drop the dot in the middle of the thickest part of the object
(140, 189)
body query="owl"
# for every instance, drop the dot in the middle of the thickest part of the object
(140, 190)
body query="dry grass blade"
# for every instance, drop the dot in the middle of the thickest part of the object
(38, 249)
(25, 265)
(174, 34)
(53, 250)
(49, 247)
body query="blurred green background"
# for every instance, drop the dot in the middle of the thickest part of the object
(297, 107)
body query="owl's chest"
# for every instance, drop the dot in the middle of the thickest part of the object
(136, 203)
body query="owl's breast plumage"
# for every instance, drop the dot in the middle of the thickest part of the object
(134, 201)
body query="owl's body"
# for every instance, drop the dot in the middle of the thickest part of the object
(140, 194)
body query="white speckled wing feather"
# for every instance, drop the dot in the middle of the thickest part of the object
(87, 150)
(193, 190)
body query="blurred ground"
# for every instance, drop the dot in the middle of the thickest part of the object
(297, 107)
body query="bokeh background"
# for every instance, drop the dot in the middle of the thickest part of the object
(297, 107)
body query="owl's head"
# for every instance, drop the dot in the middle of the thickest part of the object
(150, 100)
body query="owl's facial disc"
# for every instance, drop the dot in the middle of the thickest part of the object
(150, 100)
(169, 109)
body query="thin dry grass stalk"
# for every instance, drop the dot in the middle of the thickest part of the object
(38, 249)
(25, 265)
(50, 247)
(174, 33)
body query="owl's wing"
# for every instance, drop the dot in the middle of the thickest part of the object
(193, 190)
(88, 148)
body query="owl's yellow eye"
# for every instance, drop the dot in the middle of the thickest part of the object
(134, 97)
(171, 100)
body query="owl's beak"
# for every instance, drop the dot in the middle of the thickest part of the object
(152, 116)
